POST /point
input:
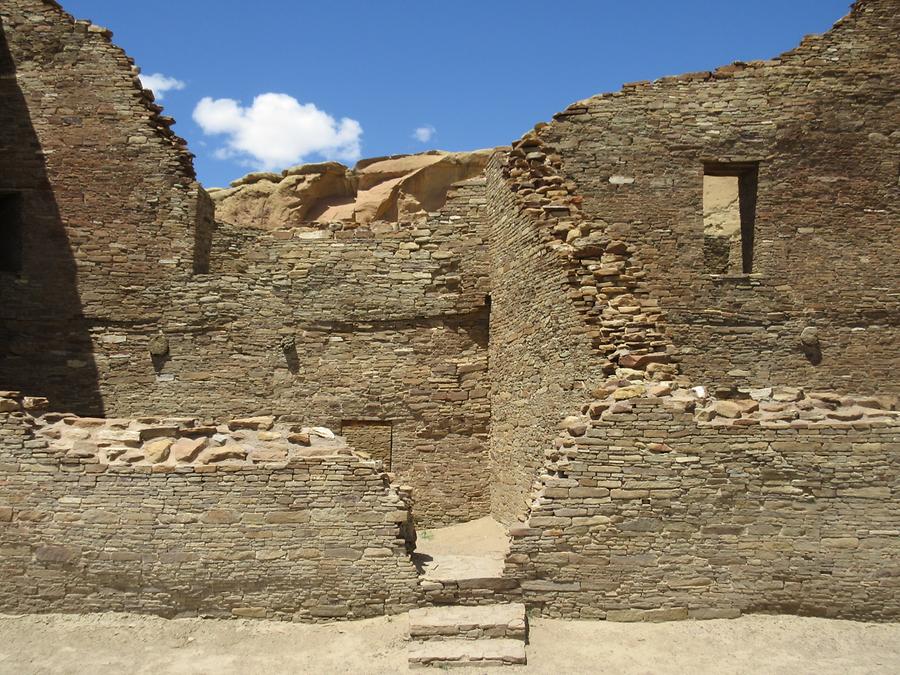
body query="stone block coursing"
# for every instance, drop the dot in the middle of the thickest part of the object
(651, 514)
(571, 289)
(313, 536)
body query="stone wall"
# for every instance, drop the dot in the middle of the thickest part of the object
(540, 352)
(132, 301)
(820, 122)
(325, 323)
(110, 204)
(373, 437)
(588, 236)
(315, 533)
(648, 513)
(762, 500)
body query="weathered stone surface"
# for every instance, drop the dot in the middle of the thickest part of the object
(366, 298)
(187, 449)
(240, 518)
(404, 188)
(7, 405)
(253, 423)
(728, 409)
(502, 620)
(223, 453)
(467, 653)
(158, 450)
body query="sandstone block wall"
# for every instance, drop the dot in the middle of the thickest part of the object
(589, 237)
(310, 536)
(650, 514)
(373, 437)
(647, 509)
(110, 204)
(133, 301)
(820, 123)
(327, 323)
(540, 352)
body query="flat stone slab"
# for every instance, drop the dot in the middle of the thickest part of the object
(446, 653)
(457, 567)
(472, 550)
(480, 621)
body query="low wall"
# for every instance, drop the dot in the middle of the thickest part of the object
(310, 536)
(646, 513)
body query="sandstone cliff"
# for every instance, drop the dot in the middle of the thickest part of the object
(401, 187)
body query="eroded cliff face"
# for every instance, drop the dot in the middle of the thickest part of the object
(401, 187)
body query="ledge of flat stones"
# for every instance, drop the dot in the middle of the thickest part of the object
(172, 442)
(768, 407)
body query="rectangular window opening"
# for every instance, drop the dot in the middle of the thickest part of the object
(373, 437)
(729, 216)
(10, 233)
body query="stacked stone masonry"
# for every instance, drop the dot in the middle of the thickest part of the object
(558, 344)
(653, 507)
(820, 121)
(164, 516)
(320, 323)
(614, 188)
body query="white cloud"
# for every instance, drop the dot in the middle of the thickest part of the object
(277, 130)
(159, 84)
(425, 133)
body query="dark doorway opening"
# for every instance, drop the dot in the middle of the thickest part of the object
(10, 232)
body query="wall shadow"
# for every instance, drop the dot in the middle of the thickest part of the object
(45, 341)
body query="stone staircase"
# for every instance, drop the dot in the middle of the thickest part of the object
(481, 635)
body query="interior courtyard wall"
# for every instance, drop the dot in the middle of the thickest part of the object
(324, 324)
(540, 354)
(131, 301)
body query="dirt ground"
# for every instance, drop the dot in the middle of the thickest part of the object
(121, 643)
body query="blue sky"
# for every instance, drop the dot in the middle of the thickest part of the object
(360, 77)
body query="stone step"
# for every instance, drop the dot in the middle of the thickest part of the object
(472, 622)
(461, 652)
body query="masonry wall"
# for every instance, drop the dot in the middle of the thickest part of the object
(652, 515)
(109, 200)
(820, 121)
(312, 538)
(642, 510)
(540, 355)
(322, 324)
(132, 301)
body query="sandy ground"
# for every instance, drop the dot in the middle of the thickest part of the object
(121, 643)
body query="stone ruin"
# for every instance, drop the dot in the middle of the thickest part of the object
(656, 337)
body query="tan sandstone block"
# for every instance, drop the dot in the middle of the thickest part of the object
(158, 450)
(187, 449)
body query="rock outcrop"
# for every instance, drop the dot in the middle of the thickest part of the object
(401, 187)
